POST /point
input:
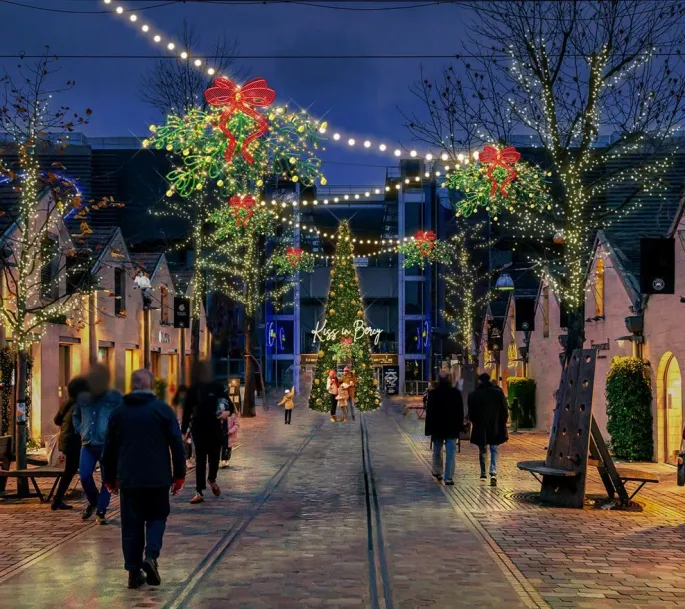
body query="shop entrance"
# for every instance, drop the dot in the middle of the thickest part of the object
(673, 409)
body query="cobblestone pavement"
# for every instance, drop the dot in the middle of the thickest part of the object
(310, 518)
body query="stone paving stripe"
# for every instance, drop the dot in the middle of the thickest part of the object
(377, 558)
(526, 591)
(234, 532)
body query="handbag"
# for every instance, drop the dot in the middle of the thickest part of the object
(466, 434)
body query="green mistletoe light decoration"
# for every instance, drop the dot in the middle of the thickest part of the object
(499, 181)
(424, 248)
(270, 139)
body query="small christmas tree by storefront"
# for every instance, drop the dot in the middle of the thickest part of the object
(343, 338)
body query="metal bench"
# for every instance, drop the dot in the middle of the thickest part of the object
(32, 474)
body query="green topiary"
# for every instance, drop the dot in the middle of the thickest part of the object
(523, 390)
(629, 409)
(160, 388)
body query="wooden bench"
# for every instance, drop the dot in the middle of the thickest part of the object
(6, 458)
(627, 474)
(538, 468)
(45, 471)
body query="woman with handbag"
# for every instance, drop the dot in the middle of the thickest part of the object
(332, 388)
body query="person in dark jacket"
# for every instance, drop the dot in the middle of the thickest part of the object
(69, 442)
(444, 423)
(489, 414)
(143, 458)
(206, 407)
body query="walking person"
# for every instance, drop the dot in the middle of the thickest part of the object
(332, 388)
(350, 377)
(444, 423)
(206, 407)
(288, 403)
(143, 459)
(489, 414)
(91, 416)
(69, 442)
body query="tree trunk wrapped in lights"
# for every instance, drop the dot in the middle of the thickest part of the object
(44, 275)
(344, 320)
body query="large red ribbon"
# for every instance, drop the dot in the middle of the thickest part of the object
(426, 241)
(504, 158)
(240, 204)
(233, 98)
(294, 255)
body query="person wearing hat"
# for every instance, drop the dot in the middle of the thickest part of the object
(350, 379)
(332, 388)
(288, 402)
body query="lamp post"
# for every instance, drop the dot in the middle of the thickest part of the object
(143, 282)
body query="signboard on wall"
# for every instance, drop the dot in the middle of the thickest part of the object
(495, 334)
(181, 312)
(391, 379)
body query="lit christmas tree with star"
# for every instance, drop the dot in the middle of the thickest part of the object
(343, 337)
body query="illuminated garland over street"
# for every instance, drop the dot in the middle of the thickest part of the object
(424, 248)
(204, 140)
(500, 181)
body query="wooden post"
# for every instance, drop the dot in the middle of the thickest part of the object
(182, 363)
(92, 330)
(146, 338)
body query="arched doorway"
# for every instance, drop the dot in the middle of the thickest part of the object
(671, 404)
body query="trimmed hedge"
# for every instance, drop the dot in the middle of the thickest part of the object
(629, 409)
(522, 389)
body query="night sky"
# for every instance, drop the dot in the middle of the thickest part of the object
(359, 97)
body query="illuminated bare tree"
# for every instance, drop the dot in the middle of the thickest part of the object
(566, 73)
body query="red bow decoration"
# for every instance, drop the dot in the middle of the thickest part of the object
(294, 255)
(500, 158)
(243, 208)
(426, 241)
(346, 341)
(253, 94)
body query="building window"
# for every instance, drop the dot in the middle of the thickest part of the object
(164, 293)
(49, 280)
(119, 292)
(599, 288)
(413, 293)
(545, 311)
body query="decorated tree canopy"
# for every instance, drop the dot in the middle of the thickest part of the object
(239, 141)
(424, 248)
(343, 337)
(499, 181)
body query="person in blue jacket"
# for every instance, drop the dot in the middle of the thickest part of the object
(91, 416)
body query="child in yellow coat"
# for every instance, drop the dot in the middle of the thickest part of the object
(288, 402)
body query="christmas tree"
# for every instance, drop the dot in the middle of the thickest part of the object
(343, 337)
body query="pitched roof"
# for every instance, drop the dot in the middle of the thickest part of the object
(148, 262)
(95, 241)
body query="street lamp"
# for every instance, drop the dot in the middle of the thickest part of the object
(142, 281)
(504, 283)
